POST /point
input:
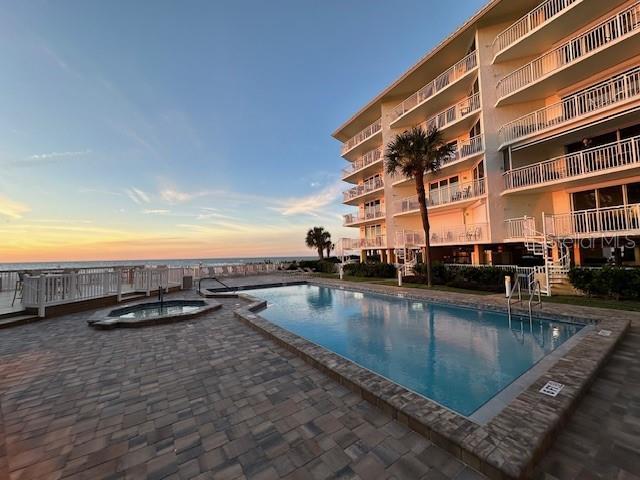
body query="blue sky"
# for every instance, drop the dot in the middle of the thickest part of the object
(189, 129)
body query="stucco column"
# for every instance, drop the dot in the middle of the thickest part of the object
(363, 256)
(392, 256)
(577, 254)
(636, 254)
(383, 256)
(476, 256)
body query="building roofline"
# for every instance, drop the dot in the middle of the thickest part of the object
(456, 33)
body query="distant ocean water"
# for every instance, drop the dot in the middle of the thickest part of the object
(173, 263)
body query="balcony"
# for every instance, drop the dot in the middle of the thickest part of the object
(363, 137)
(363, 192)
(455, 116)
(608, 95)
(355, 219)
(522, 228)
(409, 111)
(596, 223)
(454, 235)
(557, 68)
(604, 160)
(364, 166)
(466, 150)
(454, 195)
(363, 243)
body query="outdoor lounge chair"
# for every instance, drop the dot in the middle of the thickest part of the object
(18, 291)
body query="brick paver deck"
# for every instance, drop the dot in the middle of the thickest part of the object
(602, 439)
(209, 398)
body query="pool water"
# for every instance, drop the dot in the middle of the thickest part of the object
(458, 357)
(157, 311)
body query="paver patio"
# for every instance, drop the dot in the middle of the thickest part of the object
(205, 399)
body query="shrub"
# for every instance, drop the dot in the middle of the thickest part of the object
(488, 279)
(370, 270)
(608, 281)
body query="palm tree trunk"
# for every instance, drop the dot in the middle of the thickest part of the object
(321, 252)
(422, 200)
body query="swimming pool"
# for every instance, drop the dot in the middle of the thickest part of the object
(458, 357)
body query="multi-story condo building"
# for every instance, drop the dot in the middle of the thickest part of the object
(542, 103)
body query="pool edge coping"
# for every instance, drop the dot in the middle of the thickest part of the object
(510, 443)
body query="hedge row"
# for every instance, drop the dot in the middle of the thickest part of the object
(328, 265)
(488, 279)
(370, 270)
(613, 282)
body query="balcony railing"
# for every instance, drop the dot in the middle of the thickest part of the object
(453, 114)
(367, 159)
(363, 189)
(576, 165)
(624, 219)
(444, 196)
(523, 227)
(366, 216)
(454, 235)
(598, 38)
(441, 82)
(532, 20)
(605, 95)
(363, 135)
(360, 243)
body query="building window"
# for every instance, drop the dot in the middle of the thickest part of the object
(584, 200)
(610, 197)
(633, 193)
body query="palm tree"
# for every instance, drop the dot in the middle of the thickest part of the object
(329, 246)
(317, 237)
(416, 153)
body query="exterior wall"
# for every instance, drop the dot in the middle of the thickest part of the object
(501, 202)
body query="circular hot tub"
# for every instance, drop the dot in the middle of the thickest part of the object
(152, 313)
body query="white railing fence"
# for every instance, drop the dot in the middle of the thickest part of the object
(442, 81)
(453, 113)
(607, 32)
(446, 235)
(609, 93)
(532, 20)
(367, 159)
(453, 193)
(364, 216)
(361, 136)
(607, 157)
(523, 227)
(367, 187)
(595, 222)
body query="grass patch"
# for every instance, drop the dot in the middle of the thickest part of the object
(627, 305)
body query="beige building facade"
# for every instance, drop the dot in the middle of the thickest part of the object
(541, 101)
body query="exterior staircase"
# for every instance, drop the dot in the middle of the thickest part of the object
(556, 270)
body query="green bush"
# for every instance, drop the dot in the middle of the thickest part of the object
(610, 282)
(488, 279)
(370, 270)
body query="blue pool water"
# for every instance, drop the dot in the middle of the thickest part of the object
(458, 357)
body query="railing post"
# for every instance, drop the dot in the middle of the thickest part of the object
(41, 295)
(147, 273)
(119, 283)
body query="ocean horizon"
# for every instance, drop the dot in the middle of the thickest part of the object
(176, 262)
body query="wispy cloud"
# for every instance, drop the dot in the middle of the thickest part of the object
(314, 205)
(156, 211)
(57, 155)
(171, 195)
(12, 209)
(137, 196)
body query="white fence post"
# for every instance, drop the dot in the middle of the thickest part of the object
(119, 283)
(41, 295)
(147, 273)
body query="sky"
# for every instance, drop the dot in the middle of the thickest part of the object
(189, 129)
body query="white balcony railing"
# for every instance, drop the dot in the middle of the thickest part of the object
(454, 113)
(576, 165)
(453, 235)
(624, 219)
(363, 162)
(531, 21)
(523, 227)
(600, 37)
(441, 82)
(360, 243)
(363, 135)
(366, 216)
(364, 189)
(443, 196)
(603, 96)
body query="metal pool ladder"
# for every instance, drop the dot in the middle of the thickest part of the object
(535, 288)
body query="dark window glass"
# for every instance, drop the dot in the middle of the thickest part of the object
(584, 200)
(610, 196)
(633, 193)
(629, 132)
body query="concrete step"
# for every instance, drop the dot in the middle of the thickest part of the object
(16, 320)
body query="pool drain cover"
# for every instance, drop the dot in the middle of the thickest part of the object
(604, 333)
(552, 389)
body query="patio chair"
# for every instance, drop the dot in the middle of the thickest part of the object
(18, 288)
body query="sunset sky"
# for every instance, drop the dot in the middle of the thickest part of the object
(191, 129)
